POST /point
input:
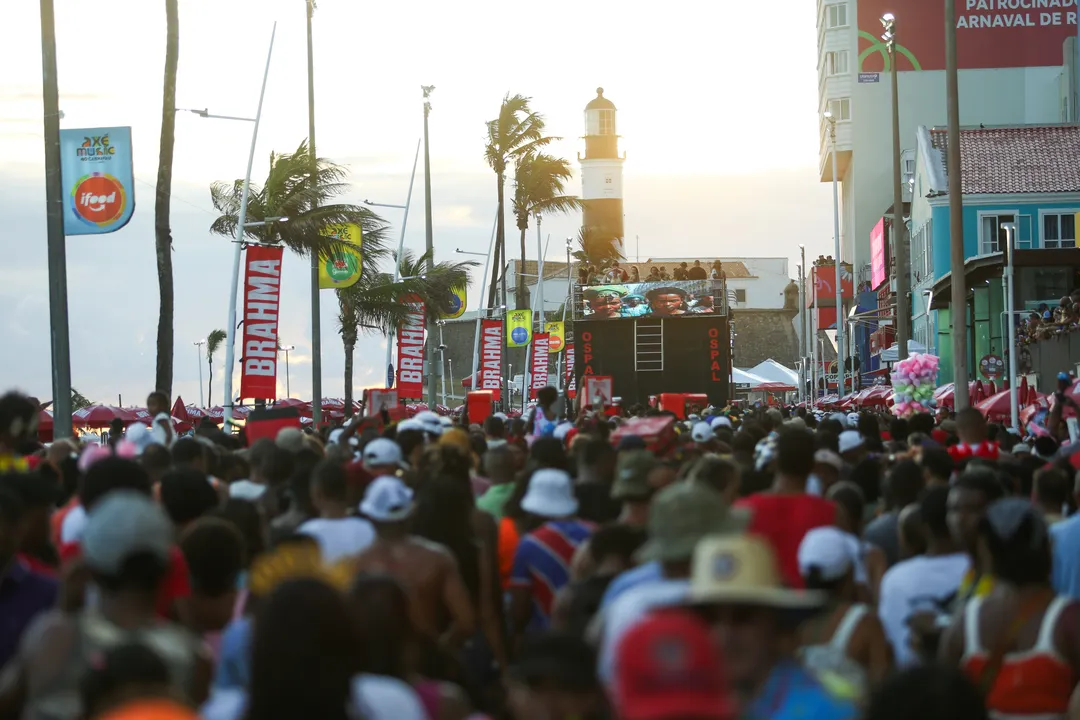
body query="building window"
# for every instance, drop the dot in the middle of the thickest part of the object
(1059, 230)
(836, 15)
(840, 109)
(740, 295)
(607, 122)
(992, 236)
(909, 166)
(836, 62)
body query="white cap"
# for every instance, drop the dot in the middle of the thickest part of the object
(246, 490)
(502, 416)
(722, 421)
(840, 418)
(850, 440)
(387, 499)
(335, 435)
(561, 430)
(828, 549)
(853, 419)
(430, 421)
(140, 436)
(693, 417)
(702, 432)
(381, 451)
(828, 457)
(410, 424)
(550, 494)
(445, 421)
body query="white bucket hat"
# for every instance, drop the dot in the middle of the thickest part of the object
(550, 494)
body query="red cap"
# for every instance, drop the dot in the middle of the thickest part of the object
(667, 668)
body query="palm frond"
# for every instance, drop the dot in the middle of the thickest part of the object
(213, 342)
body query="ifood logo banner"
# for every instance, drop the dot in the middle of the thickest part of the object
(98, 180)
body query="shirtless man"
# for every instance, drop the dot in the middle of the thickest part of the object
(427, 570)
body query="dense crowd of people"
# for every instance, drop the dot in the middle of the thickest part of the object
(770, 563)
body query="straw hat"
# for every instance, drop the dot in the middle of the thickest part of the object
(742, 569)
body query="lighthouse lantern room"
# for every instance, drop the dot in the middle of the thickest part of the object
(601, 173)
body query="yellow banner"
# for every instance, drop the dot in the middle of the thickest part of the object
(556, 336)
(518, 328)
(457, 304)
(342, 268)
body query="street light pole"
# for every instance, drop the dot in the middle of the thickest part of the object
(958, 291)
(238, 249)
(428, 232)
(60, 344)
(840, 355)
(198, 356)
(316, 310)
(1010, 311)
(802, 320)
(285, 349)
(476, 334)
(899, 228)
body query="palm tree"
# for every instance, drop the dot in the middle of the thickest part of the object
(595, 250)
(374, 304)
(213, 342)
(517, 131)
(78, 400)
(163, 198)
(539, 188)
(288, 193)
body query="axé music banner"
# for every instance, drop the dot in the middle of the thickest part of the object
(410, 339)
(98, 180)
(539, 364)
(491, 349)
(262, 300)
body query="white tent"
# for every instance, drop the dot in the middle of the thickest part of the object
(772, 371)
(745, 377)
(891, 354)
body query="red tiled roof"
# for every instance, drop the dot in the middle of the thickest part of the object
(1032, 159)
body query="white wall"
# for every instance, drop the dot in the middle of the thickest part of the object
(764, 291)
(1009, 96)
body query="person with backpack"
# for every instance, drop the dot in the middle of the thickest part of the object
(543, 418)
(845, 644)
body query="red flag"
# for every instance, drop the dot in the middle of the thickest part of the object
(179, 411)
(539, 363)
(410, 343)
(570, 382)
(262, 299)
(491, 349)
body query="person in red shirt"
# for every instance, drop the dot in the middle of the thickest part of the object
(786, 513)
(103, 477)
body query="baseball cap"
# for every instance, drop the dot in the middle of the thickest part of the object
(853, 419)
(828, 457)
(550, 494)
(666, 667)
(246, 490)
(722, 421)
(828, 550)
(429, 421)
(632, 474)
(382, 451)
(681, 515)
(387, 499)
(702, 432)
(290, 439)
(125, 523)
(140, 436)
(850, 440)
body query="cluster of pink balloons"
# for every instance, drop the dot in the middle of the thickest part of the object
(914, 381)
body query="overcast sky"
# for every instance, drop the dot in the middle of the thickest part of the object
(718, 123)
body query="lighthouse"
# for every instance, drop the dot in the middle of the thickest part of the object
(601, 173)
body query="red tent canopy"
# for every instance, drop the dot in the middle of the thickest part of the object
(101, 416)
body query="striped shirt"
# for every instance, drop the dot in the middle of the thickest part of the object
(542, 564)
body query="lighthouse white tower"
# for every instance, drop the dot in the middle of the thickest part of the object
(601, 173)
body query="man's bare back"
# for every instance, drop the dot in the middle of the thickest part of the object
(430, 576)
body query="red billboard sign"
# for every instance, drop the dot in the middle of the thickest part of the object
(824, 284)
(491, 349)
(262, 299)
(539, 364)
(877, 254)
(989, 33)
(410, 379)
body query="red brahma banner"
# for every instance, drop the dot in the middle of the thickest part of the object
(262, 299)
(410, 343)
(491, 349)
(539, 363)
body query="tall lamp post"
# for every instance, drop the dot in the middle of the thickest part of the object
(802, 321)
(831, 119)
(958, 294)
(286, 349)
(198, 356)
(316, 310)
(899, 229)
(428, 241)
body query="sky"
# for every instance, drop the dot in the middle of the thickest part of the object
(719, 128)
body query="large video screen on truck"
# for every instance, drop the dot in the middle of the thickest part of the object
(663, 298)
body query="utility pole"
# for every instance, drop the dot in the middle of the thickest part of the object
(54, 218)
(899, 228)
(316, 316)
(802, 323)
(840, 354)
(958, 295)
(432, 386)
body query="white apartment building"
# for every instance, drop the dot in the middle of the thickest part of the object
(861, 103)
